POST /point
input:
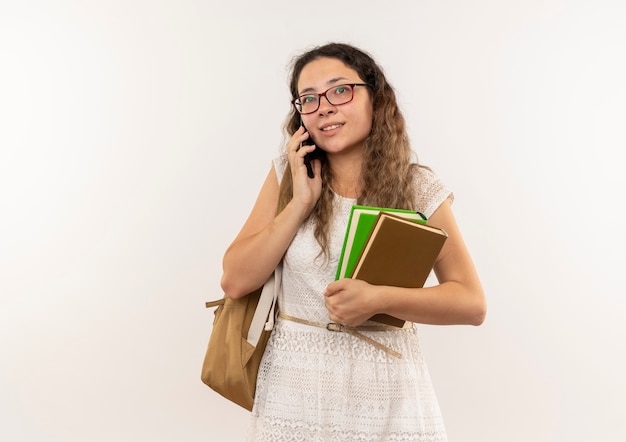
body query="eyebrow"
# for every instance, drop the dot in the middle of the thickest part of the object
(328, 83)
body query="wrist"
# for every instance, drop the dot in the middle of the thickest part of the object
(299, 210)
(379, 299)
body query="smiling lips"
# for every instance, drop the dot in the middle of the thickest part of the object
(334, 126)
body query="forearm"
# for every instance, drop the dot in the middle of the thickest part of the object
(445, 304)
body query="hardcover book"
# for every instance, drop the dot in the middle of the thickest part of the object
(399, 252)
(360, 224)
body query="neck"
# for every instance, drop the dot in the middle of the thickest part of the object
(346, 174)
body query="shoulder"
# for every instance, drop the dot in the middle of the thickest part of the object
(430, 190)
(280, 164)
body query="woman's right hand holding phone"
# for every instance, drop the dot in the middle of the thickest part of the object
(306, 191)
(265, 236)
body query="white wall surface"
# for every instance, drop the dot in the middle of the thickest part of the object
(128, 163)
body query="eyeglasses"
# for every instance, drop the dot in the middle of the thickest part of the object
(336, 95)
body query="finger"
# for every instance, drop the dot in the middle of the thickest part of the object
(296, 143)
(336, 286)
(299, 137)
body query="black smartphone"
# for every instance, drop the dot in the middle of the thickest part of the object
(315, 155)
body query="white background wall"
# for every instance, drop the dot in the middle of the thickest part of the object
(129, 161)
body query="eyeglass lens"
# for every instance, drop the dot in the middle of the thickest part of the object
(336, 95)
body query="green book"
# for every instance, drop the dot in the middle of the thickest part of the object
(360, 224)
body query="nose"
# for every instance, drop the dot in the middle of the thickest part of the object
(325, 106)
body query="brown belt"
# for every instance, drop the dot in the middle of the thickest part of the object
(354, 331)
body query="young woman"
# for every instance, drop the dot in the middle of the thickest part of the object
(316, 383)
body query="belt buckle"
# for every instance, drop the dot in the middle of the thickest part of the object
(333, 326)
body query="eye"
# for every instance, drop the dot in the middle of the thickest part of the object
(308, 99)
(341, 90)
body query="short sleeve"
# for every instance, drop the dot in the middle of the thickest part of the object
(280, 165)
(430, 191)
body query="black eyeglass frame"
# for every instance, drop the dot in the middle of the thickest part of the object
(323, 94)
